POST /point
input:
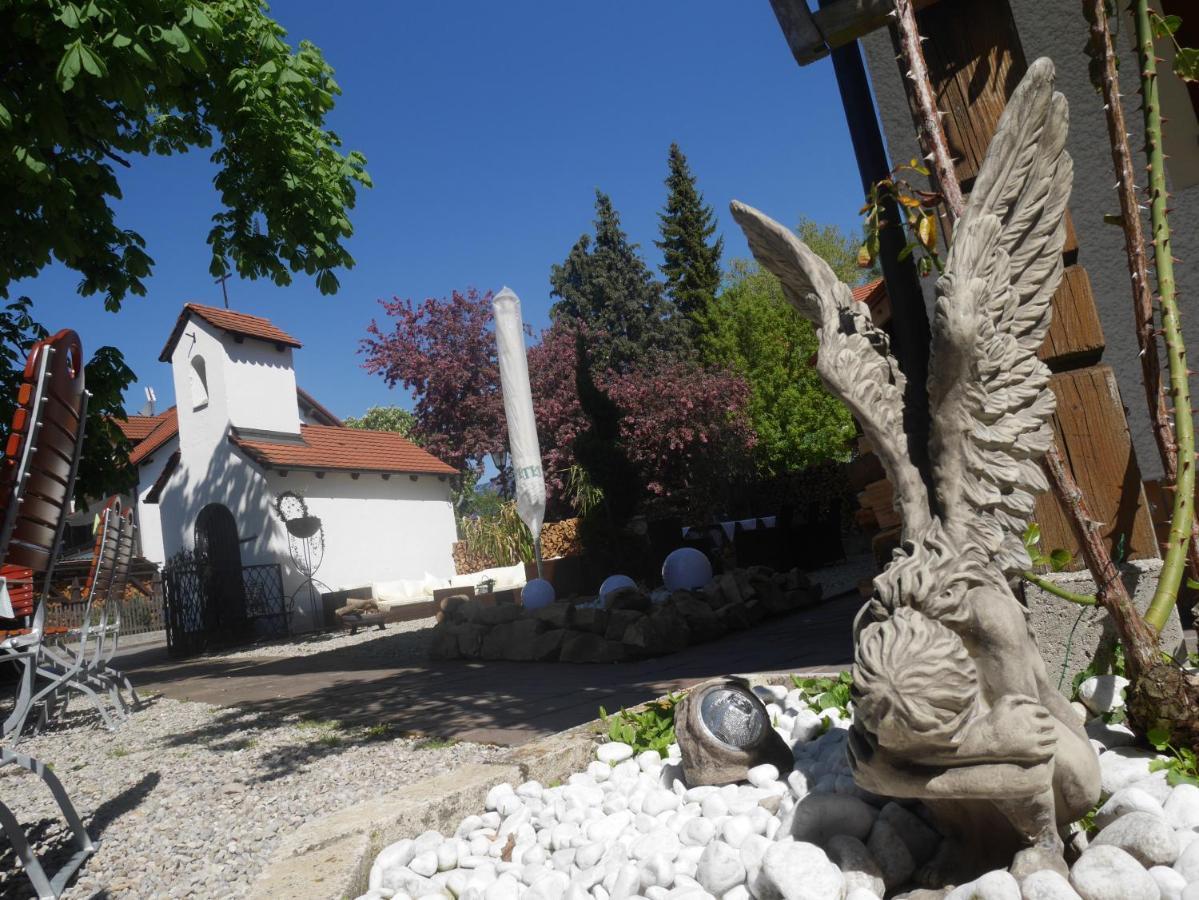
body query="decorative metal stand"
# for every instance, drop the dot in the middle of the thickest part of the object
(306, 544)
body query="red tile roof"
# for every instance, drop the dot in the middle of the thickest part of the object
(166, 429)
(138, 428)
(229, 321)
(348, 449)
(871, 292)
(319, 411)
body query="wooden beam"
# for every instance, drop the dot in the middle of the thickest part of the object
(811, 35)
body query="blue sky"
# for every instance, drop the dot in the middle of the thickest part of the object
(487, 128)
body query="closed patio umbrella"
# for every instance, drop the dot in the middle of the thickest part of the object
(518, 409)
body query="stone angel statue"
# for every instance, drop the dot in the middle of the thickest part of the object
(952, 702)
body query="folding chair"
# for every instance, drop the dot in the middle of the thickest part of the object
(108, 633)
(37, 479)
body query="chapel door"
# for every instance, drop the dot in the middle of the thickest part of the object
(218, 552)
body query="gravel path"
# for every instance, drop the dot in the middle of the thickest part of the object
(190, 800)
(399, 643)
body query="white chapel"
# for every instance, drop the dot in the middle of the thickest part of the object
(241, 434)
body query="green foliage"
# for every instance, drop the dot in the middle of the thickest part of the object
(1186, 59)
(90, 84)
(1182, 767)
(1056, 560)
(822, 694)
(502, 537)
(583, 494)
(605, 285)
(753, 330)
(690, 264)
(919, 211)
(1115, 666)
(395, 419)
(650, 729)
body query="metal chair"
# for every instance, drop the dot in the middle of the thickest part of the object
(108, 633)
(37, 479)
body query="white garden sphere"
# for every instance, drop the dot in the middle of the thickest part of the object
(537, 593)
(616, 583)
(686, 569)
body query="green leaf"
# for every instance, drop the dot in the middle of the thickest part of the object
(1186, 63)
(1113, 219)
(1032, 535)
(121, 41)
(5, 117)
(1059, 559)
(92, 64)
(1165, 26)
(69, 15)
(1158, 737)
(69, 65)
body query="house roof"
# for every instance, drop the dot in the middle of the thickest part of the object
(166, 429)
(138, 428)
(318, 410)
(871, 292)
(240, 324)
(346, 449)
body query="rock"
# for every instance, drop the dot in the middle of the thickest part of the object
(1108, 873)
(1182, 806)
(628, 598)
(819, 817)
(1187, 864)
(657, 871)
(720, 868)
(660, 841)
(735, 830)
(764, 775)
(640, 639)
(807, 725)
(584, 647)
(496, 641)
(1123, 766)
(1110, 736)
(470, 640)
(735, 617)
(795, 870)
(921, 840)
(593, 621)
(1146, 836)
(424, 863)
(997, 885)
(557, 615)
(500, 614)
(444, 643)
(547, 646)
(671, 630)
(1156, 786)
(613, 752)
(1169, 882)
(619, 621)
(858, 867)
(890, 852)
(522, 636)
(1103, 693)
(698, 832)
(1047, 885)
(1126, 800)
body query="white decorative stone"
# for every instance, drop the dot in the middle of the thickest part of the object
(1108, 873)
(1110, 736)
(424, 863)
(735, 830)
(720, 868)
(1047, 885)
(1146, 836)
(1169, 882)
(996, 885)
(1126, 800)
(807, 726)
(1124, 766)
(1103, 693)
(698, 832)
(1187, 864)
(796, 870)
(763, 776)
(820, 816)
(1182, 807)
(613, 752)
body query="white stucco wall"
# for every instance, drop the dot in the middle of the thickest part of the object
(376, 530)
(1057, 29)
(265, 394)
(149, 517)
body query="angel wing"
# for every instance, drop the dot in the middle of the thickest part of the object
(988, 393)
(854, 360)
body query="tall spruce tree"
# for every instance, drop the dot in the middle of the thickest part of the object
(605, 284)
(691, 263)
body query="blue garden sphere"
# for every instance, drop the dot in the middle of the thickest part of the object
(686, 569)
(615, 583)
(537, 593)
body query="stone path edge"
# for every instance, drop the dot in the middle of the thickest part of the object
(332, 856)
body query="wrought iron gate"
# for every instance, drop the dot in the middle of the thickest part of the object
(204, 611)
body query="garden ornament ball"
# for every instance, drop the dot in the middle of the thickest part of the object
(537, 593)
(686, 569)
(615, 583)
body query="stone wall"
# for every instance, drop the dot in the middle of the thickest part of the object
(631, 627)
